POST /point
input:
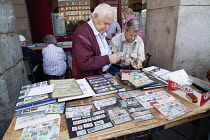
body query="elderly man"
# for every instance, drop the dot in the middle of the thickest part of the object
(129, 45)
(91, 54)
(35, 61)
(27, 52)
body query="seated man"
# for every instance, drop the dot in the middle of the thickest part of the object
(28, 52)
(129, 45)
(54, 59)
(35, 61)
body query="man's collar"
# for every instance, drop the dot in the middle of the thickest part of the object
(96, 32)
(123, 37)
(51, 45)
(124, 40)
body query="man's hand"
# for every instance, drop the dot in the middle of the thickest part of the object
(128, 60)
(138, 61)
(114, 58)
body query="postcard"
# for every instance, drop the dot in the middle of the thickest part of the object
(119, 116)
(105, 103)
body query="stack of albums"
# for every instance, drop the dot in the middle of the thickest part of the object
(54, 108)
(25, 101)
(65, 88)
(79, 126)
(37, 113)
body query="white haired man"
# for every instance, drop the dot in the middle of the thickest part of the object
(91, 54)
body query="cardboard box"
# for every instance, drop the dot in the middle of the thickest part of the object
(198, 94)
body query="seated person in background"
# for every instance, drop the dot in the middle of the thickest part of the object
(91, 54)
(28, 52)
(35, 61)
(128, 14)
(113, 30)
(129, 45)
(54, 58)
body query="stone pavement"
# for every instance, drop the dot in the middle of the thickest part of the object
(185, 132)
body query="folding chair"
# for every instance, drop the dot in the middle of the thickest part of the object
(146, 61)
(29, 69)
(69, 65)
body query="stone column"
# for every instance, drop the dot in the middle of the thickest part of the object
(12, 70)
(21, 15)
(178, 35)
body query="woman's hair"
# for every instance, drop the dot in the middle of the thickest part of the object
(134, 25)
(50, 39)
(103, 9)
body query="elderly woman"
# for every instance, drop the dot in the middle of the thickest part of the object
(54, 58)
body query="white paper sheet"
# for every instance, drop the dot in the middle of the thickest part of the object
(180, 77)
(41, 90)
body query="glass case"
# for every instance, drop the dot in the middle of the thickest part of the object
(68, 15)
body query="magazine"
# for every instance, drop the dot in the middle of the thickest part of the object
(156, 95)
(171, 109)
